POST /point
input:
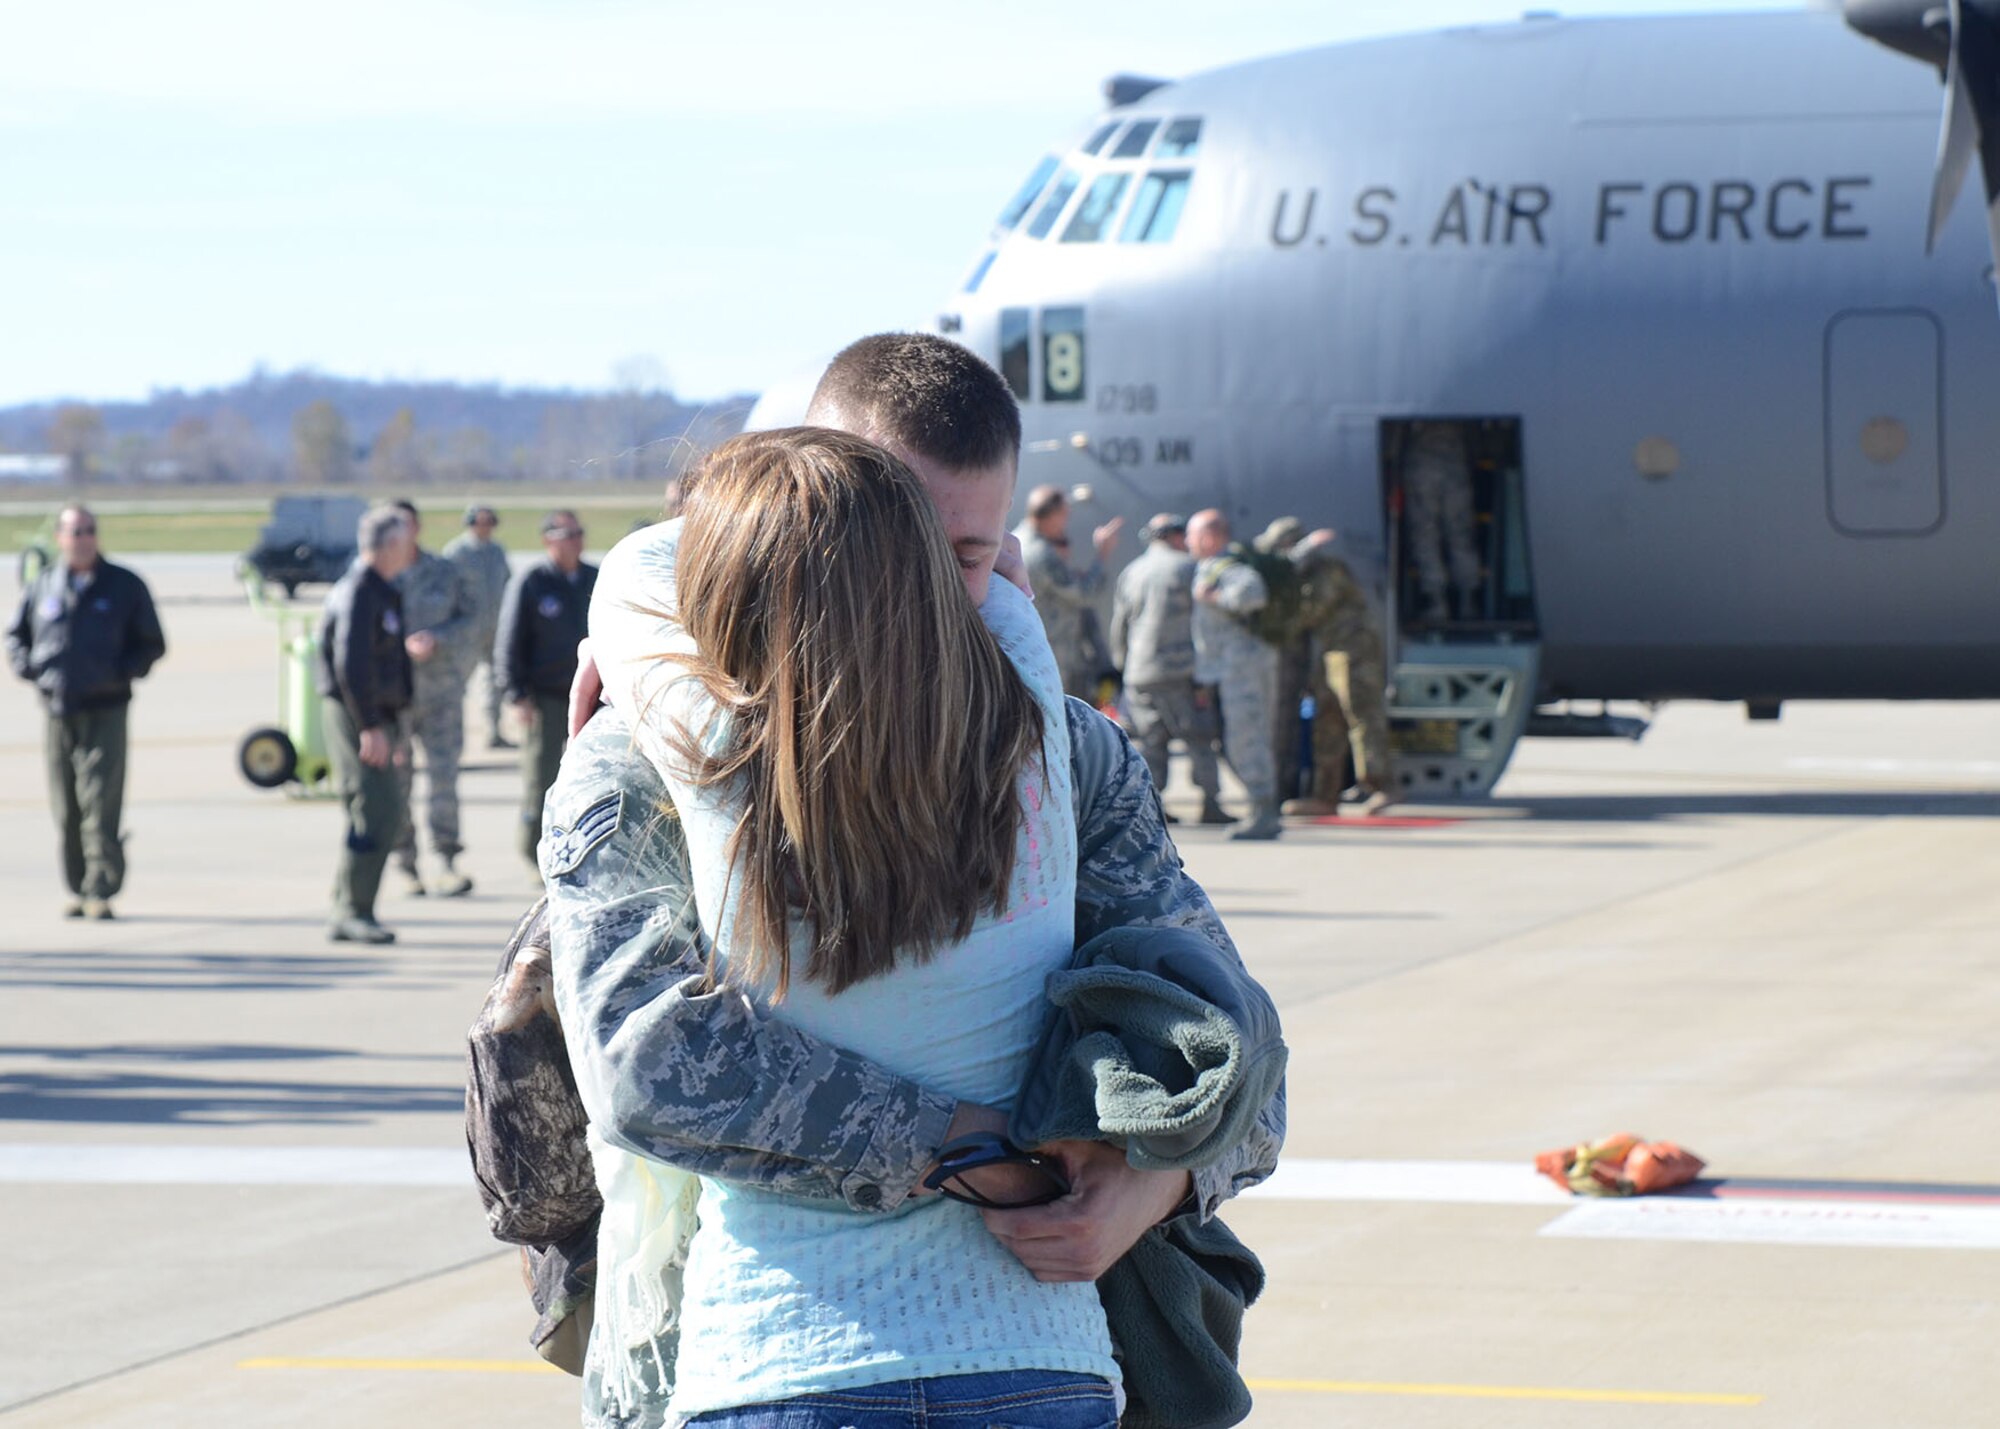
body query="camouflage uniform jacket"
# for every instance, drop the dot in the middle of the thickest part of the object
(1333, 608)
(438, 597)
(1223, 643)
(699, 1078)
(1152, 622)
(486, 570)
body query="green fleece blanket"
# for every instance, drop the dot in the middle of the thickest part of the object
(1166, 1047)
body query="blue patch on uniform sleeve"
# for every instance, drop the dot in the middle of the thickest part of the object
(563, 849)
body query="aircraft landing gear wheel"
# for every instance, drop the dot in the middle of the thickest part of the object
(267, 758)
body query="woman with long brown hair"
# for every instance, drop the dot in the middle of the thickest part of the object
(874, 779)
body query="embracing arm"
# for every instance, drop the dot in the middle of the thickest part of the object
(1129, 875)
(1240, 590)
(669, 1067)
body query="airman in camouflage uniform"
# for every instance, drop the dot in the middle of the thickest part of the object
(484, 561)
(703, 1079)
(1239, 663)
(1347, 641)
(1152, 641)
(439, 602)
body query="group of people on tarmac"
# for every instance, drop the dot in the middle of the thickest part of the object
(1216, 644)
(403, 632)
(399, 641)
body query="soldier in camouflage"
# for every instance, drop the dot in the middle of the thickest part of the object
(1437, 505)
(1347, 641)
(441, 625)
(1240, 663)
(484, 561)
(697, 1075)
(1295, 680)
(1066, 597)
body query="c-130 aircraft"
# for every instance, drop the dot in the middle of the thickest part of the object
(1734, 433)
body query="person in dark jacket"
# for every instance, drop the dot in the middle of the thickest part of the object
(365, 684)
(543, 618)
(85, 630)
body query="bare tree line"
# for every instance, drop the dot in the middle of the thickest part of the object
(635, 432)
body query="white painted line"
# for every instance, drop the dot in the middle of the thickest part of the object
(1777, 1222)
(1976, 768)
(140, 1165)
(1461, 1183)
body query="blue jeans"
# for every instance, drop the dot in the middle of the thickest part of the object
(1011, 1399)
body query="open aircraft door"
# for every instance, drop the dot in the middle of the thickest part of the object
(1464, 644)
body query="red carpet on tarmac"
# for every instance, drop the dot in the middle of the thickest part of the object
(1383, 821)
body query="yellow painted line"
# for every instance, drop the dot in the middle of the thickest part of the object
(1500, 1391)
(411, 1366)
(1275, 1386)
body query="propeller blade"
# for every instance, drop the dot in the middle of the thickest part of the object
(1956, 140)
(1976, 45)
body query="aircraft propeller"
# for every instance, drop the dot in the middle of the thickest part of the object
(1962, 39)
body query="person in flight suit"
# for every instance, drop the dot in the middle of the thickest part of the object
(440, 630)
(543, 617)
(1065, 596)
(484, 561)
(1230, 654)
(85, 630)
(1347, 642)
(1152, 642)
(365, 684)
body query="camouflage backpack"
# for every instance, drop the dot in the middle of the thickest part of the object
(524, 1125)
(1276, 622)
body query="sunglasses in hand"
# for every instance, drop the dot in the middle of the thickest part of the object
(987, 1170)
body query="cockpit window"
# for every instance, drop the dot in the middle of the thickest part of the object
(1099, 207)
(1052, 206)
(1136, 139)
(979, 272)
(1015, 334)
(1018, 205)
(1181, 139)
(1097, 141)
(1156, 212)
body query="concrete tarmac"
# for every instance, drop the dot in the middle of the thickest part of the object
(231, 1153)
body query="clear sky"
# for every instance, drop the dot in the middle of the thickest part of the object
(531, 191)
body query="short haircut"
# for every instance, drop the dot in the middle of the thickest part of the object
(1045, 501)
(403, 503)
(1212, 518)
(931, 397)
(76, 508)
(379, 526)
(560, 519)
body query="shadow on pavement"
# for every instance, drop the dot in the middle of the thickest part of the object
(157, 971)
(141, 1099)
(213, 1052)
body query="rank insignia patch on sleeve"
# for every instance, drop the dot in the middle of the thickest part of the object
(565, 848)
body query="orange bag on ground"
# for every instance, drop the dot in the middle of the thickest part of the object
(1620, 1165)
